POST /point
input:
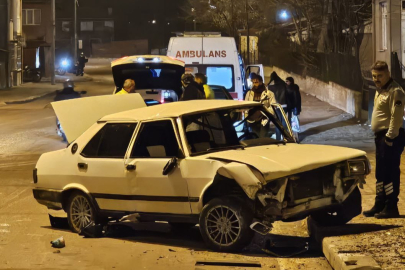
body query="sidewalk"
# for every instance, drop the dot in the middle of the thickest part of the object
(27, 92)
(364, 243)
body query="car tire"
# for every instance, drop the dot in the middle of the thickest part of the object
(80, 211)
(224, 224)
(349, 209)
(58, 222)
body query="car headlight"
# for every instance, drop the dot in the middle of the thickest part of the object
(64, 63)
(357, 167)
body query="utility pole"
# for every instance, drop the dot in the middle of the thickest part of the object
(247, 37)
(53, 44)
(75, 29)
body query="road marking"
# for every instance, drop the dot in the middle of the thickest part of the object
(4, 225)
(4, 231)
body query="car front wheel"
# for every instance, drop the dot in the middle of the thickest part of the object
(224, 224)
(349, 209)
(80, 211)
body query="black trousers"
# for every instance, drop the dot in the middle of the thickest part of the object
(387, 172)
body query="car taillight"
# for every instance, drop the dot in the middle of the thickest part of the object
(35, 176)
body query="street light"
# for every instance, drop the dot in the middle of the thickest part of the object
(284, 15)
(154, 21)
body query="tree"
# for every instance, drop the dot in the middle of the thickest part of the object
(227, 15)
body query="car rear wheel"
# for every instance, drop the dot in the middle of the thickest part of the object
(349, 209)
(224, 224)
(80, 211)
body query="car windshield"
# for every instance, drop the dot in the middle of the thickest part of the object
(233, 128)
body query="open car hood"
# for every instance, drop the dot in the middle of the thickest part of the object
(149, 75)
(77, 115)
(275, 161)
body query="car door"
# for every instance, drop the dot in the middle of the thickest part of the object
(101, 167)
(155, 145)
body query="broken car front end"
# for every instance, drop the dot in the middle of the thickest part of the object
(324, 189)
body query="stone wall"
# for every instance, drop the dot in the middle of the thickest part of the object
(335, 94)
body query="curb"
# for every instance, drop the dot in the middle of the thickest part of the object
(29, 99)
(339, 259)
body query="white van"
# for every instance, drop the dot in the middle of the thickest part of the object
(216, 57)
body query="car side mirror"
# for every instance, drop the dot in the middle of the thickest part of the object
(170, 165)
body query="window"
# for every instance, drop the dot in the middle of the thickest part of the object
(110, 142)
(66, 26)
(156, 140)
(383, 25)
(86, 26)
(220, 76)
(31, 16)
(226, 129)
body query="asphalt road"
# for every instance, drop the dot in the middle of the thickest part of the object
(27, 131)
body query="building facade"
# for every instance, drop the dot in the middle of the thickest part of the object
(95, 25)
(37, 29)
(11, 43)
(389, 34)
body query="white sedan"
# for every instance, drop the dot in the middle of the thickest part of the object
(228, 166)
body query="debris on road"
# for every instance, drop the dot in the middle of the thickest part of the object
(57, 251)
(92, 230)
(171, 250)
(58, 243)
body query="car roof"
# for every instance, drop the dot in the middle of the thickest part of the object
(147, 59)
(175, 109)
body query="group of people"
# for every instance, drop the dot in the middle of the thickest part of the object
(193, 87)
(286, 93)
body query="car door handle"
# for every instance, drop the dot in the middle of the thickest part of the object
(82, 166)
(131, 167)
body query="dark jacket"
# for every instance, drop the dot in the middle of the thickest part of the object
(279, 88)
(193, 91)
(293, 97)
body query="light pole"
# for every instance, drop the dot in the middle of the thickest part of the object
(75, 29)
(247, 36)
(53, 44)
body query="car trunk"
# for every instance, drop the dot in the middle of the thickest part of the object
(148, 76)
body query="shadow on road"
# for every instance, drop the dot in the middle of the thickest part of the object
(319, 129)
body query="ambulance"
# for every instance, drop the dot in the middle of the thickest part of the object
(218, 59)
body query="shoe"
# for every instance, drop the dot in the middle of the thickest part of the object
(377, 208)
(390, 211)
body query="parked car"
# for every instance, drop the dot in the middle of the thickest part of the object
(221, 92)
(215, 163)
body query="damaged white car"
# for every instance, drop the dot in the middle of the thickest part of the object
(228, 166)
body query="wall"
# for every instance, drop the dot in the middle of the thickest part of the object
(118, 49)
(332, 93)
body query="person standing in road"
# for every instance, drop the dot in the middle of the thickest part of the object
(279, 88)
(259, 93)
(191, 89)
(81, 64)
(294, 98)
(386, 123)
(201, 79)
(128, 87)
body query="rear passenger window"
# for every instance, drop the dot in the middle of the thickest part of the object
(110, 142)
(156, 140)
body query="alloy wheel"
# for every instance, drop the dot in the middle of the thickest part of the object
(223, 225)
(80, 212)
